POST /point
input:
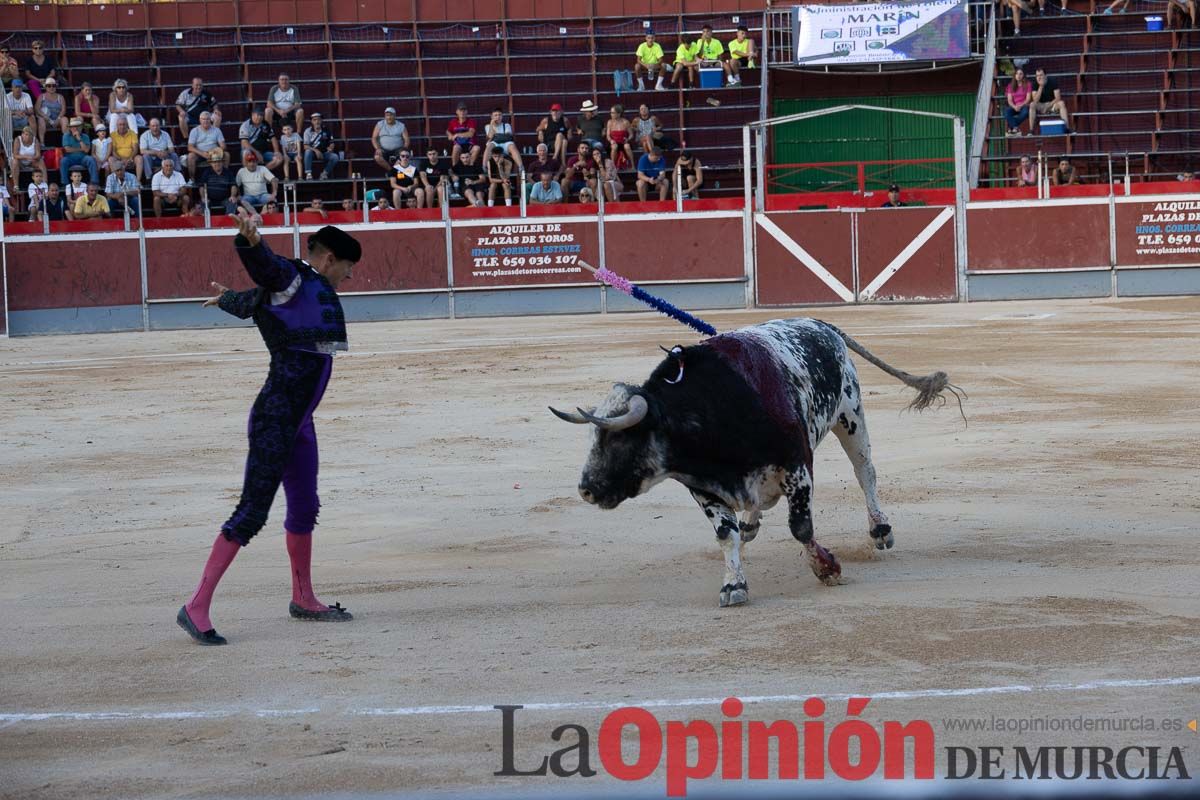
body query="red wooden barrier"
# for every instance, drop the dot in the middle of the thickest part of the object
(73, 273)
(1033, 236)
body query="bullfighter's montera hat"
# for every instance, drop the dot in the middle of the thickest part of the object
(337, 241)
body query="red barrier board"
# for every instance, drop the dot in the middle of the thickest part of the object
(804, 257)
(907, 254)
(186, 266)
(1158, 232)
(1037, 237)
(524, 252)
(73, 274)
(675, 249)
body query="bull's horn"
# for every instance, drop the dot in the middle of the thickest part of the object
(636, 413)
(578, 419)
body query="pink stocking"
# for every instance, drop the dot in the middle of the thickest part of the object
(299, 547)
(223, 552)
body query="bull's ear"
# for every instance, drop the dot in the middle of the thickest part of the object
(577, 418)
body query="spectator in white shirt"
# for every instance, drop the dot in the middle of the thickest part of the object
(282, 100)
(255, 184)
(156, 146)
(201, 141)
(170, 190)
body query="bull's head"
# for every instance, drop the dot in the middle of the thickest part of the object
(626, 458)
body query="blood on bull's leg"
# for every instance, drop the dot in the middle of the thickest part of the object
(798, 488)
(851, 431)
(734, 589)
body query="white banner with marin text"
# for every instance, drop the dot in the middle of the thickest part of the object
(864, 33)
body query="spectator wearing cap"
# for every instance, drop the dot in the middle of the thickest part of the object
(461, 135)
(893, 200)
(26, 155)
(389, 138)
(649, 60)
(741, 52)
(9, 69)
(123, 190)
(686, 62)
(102, 148)
(170, 191)
(203, 139)
(255, 184)
(39, 67)
(292, 146)
(191, 103)
(652, 174)
(689, 175)
(546, 191)
(50, 110)
(120, 103)
(87, 108)
(711, 51)
(20, 105)
(318, 143)
(154, 147)
(91, 205)
(125, 149)
(77, 153)
(554, 131)
(255, 134)
(219, 185)
(284, 99)
(590, 128)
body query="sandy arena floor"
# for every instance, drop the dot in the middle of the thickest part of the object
(1052, 541)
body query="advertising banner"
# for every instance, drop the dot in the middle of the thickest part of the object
(868, 33)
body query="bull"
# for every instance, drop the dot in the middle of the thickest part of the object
(735, 419)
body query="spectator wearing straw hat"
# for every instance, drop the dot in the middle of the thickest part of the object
(590, 128)
(389, 138)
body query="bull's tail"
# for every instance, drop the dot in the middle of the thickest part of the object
(930, 388)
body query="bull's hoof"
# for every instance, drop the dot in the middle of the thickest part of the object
(882, 534)
(734, 594)
(749, 531)
(825, 566)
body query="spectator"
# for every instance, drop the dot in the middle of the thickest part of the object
(271, 207)
(382, 204)
(292, 145)
(554, 131)
(191, 103)
(648, 128)
(710, 51)
(1016, 97)
(76, 188)
(389, 138)
(1017, 7)
(123, 190)
(219, 184)
(50, 110)
(1124, 4)
(120, 103)
(434, 177)
(893, 200)
(92, 205)
(1046, 99)
(499, 173)
(255, 185)
(406, 188)
(1065, 175)
(580, 173)
(37, 189)
(685, 62)
(202, 140)
(468, 180)
(689, 175)
(546, 191)
(255, 134)
(87, 108)
(650, 61)
(741, 51)
(9, 69)
(77, 152)
(651, 171)
(618, 133)
(317, 206)
(349, 205)
(20, 105)
(39, 67)
(1177, 7)
(26, 155)
(461, 134)
(154, 147)
(318, 143)
(1026, 172)
(170, 190)
(6, 204)
(610, 179)
(125, 149)
(53, 207)
(500, 134)
(284, 99)
(102, 148)
(590, 128)
(543, 163)
(1186, 176)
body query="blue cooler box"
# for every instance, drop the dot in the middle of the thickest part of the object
(711, 77)
(1052, 127)
(1154, 23)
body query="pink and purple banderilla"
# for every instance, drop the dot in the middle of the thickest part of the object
(638, 293)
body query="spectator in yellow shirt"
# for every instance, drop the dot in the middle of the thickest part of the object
(125, 149)
(92, 205)
(685, 62)
(711, 50)
(650, 61)
(741, 52)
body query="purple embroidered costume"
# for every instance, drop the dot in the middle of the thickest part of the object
(300, 318)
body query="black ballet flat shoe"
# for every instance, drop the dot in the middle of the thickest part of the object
(208, 637)
(333, 613)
